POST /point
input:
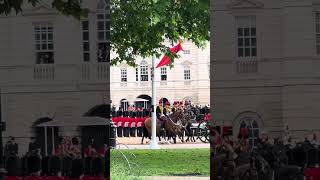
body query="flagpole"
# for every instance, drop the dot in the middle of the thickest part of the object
(154, 143)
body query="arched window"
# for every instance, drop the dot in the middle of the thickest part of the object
(103, 31)
(144, 71)
(253, 128)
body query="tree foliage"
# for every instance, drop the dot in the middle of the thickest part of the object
(139, 27)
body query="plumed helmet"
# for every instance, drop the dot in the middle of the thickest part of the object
(160, 101)
(168, 103)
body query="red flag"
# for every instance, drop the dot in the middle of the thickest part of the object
(166, 60)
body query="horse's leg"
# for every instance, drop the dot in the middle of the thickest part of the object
(142, 139)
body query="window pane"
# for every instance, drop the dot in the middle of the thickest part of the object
(50, 46)
(86, 57)
(253, 31)
(318, 38)
(37, 46)
(37, 36)
(247, 42)
(100, 16)
(246, 31)
(44, 46)
(107, 25)
(247, 52)
(240, 41)
(100, 25)
(240, 31)
(85, 25)
(254, 52)
(101, 36)
(44, 36)
(50, 36)
(86, 46)
(85, 36)
(107, 35)
(240, 52)
(253, 41)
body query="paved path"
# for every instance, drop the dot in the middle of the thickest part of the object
(176, 178)
(168, 146)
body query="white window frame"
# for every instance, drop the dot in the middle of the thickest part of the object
(44, 42)
(187, 73)
(86, 51)
(249, 124)
(103, 31)
(144, 71)
(124, 75)
(187, 51)
(163, 73)
(246, 36)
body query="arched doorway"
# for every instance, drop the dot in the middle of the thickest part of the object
(124, 103)
(97, 132)
(143, 101)
(103, 110)
(52, 134)
(250, 120)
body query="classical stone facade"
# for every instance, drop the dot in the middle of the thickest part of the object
(188, 79)
(265, 65)
(47, 69)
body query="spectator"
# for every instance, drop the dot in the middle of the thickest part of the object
(34, 147)
(11, 148)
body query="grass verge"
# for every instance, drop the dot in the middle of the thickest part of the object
(171, 162)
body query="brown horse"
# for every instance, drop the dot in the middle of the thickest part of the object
(172, 126)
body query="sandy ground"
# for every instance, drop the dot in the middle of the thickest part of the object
(135, 143)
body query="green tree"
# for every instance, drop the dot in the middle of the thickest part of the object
(139, 27)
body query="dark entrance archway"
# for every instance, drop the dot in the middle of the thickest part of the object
(124, 104)
(40, 134)
(101, 133)
(144, 103)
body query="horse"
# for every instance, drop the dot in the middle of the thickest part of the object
(187, 123)
(172, 126)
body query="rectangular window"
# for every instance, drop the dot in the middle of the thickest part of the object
(85, 41)
(163, 73)
(317, 19)
(187, 73)
(247, 38)
(186, 51)
(123, 75)
(137, 74)
(144, 73)
(44, 43)
(103, 33)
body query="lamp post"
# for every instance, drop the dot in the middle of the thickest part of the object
(154, 143)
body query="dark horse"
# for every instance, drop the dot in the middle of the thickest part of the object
(172, 128)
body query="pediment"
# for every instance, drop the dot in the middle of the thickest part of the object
(186, 63)
(244, 4)
(41, 9)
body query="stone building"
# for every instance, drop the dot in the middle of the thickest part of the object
(52, 67)
(265, 65)
(188, 79)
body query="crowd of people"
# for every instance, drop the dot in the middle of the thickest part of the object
(132, 111)
(288, 159)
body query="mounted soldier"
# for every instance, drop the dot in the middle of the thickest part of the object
(168, 108)
(161, 113)
(175, 107)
